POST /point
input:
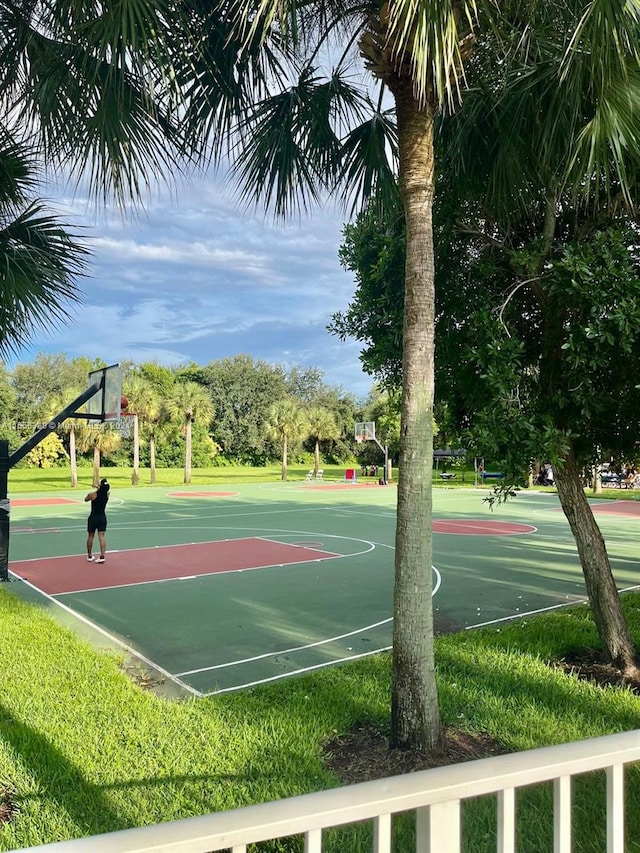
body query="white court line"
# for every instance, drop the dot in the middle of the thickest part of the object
(479, 525)
(575, 603)
(296, 672)
(308, 645)
(286, 651)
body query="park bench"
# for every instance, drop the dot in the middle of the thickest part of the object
(609, 478)
(446, 476)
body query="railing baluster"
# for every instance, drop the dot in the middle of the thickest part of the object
(313, 841)
(615, 809)
(562, 815)
(438, 828)
(382, 834)
(507, 820)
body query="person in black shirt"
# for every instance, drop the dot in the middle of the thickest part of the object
(97, 520)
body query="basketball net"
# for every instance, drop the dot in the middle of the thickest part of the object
(125, 424)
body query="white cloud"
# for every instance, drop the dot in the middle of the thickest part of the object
(193, 278)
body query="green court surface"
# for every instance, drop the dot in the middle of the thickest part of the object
(223, 588)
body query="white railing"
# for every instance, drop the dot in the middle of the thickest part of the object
(435, 796)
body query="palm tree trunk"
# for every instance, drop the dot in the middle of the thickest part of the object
(96, 465)
(73, 458)
(316, 457)
(596, 481)
(415, 716)
(187, 450)
(606, 606)
(135, 477)
(285, 453)
(152, 458)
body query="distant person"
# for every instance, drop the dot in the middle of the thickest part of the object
(97, 520)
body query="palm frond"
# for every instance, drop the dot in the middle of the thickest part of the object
(290, 152)
(39, 262)
(368, 162)
(222, 77)
(94, 87)
(429, 35)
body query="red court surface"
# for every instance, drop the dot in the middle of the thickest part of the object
(480, 527)
(42, 501)
(201, 494)
(625, 508)
(143, 565)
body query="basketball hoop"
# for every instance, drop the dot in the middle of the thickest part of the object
(125, 424)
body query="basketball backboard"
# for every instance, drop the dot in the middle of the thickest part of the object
(105, 405)
(365, 431)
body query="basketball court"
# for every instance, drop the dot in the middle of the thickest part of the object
(222, 589)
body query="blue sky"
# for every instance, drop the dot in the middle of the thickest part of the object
(195, 278)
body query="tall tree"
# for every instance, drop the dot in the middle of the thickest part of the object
(295, 136)
(286, 423)
(517, 396)
(321, 426)
(146, 402)
(242, 390)
(189, 402)
(98, 440)
(558, 159)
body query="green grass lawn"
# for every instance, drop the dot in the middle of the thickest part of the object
(58, 479)
(85, 750)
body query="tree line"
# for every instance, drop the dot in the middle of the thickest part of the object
(234, 411)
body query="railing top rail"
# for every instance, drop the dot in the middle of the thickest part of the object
(365, 800)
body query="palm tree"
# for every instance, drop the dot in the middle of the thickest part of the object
(99, 440)
(322, 426)
(145, 402)
(286, 422)
(189, 402)
(295, 137)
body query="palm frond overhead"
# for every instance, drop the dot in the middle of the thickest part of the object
(94, 89)
(368, 166)
(40, 261)
(289, 152)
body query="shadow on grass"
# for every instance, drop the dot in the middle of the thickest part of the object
(62, 789)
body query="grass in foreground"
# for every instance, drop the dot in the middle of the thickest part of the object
(84, 750)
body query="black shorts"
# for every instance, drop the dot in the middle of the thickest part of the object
(97, 522)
